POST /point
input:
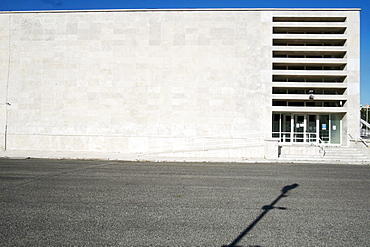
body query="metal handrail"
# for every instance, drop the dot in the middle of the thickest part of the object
(365, 123)
(321, 146)
(365, 128)
(360, 139)
(312, 138)
(305, 137)
(363, 141)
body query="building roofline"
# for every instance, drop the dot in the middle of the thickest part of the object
(180, 9)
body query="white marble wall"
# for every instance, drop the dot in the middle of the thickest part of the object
(124, 81)
(114, 81)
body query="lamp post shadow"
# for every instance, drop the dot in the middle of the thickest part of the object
(266, 209)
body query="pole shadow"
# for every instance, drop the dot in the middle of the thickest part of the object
(266, 209)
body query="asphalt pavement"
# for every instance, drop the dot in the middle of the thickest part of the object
(115, 203)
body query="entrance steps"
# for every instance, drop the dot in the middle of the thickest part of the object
(346, 154)
(328, 154)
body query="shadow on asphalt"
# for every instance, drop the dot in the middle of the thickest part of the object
(266, 209)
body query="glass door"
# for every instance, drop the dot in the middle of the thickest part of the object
(324, 128)
(287, 123)
(311, 135)
(307, 127)
(299, 128)
(335, 129)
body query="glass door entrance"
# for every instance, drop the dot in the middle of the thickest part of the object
(311, 128)
(324, 128)
(299, 128)
(307, 128)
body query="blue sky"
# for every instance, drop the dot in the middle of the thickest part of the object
(6, 5)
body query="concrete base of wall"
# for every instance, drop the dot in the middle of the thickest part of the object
(152, 145)
(252, 152)
(291, 151)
